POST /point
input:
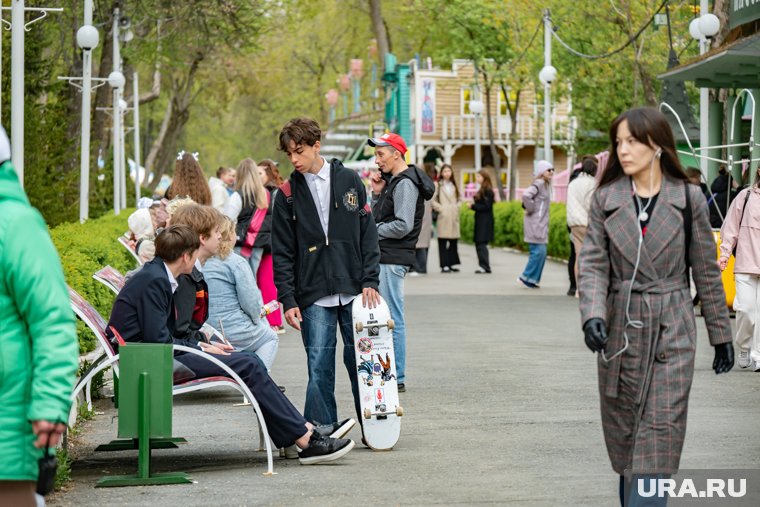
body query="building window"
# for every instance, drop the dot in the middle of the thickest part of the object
(502, 102)
(466, 97)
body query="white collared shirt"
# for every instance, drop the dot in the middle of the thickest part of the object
(172, 280)
(319, 186)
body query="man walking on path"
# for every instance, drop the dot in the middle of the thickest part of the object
(325, 252)
(399, 192)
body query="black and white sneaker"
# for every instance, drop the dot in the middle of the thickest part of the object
(324, 449)
(337, 429)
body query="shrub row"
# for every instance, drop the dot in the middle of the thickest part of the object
(508, 227)
(84, 249)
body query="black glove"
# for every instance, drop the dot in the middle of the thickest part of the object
(595, 331)
(724, 358)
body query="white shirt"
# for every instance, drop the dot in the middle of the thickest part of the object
(319, 186)
(172, 280)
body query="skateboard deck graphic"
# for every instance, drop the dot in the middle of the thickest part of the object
(376, 370)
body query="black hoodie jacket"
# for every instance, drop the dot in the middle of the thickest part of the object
(309, 265)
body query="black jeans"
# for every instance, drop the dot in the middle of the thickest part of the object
(284, 423)
(420, 263)
(482, 251)
(447, 252)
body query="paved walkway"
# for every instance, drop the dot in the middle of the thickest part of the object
(502, 407)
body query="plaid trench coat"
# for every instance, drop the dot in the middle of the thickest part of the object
(645, 391)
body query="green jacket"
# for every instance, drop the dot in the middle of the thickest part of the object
(38, 342)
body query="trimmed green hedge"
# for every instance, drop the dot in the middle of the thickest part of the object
(84, 249)
(508, 227)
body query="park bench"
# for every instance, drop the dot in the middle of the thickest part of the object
(109, 358)
(125, 243)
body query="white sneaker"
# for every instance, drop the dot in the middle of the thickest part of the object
(289, 452)
(744, 360)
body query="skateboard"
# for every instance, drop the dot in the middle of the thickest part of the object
(376, 371)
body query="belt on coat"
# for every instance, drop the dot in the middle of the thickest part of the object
(654, 306)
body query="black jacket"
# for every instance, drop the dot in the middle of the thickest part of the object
(483, 209)
(720, 201)
(143, 310)
(264, 237)
(191, 305)
(309, 265)
(402, 250)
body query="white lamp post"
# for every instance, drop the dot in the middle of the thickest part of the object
(116, 81)
(136, 120)
(87, 40)
(547, 76)
(703, 29)
(476, 108)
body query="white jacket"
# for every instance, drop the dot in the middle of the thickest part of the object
(579, 199)
(219, 195)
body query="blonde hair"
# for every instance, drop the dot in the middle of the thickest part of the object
(176, 203)
(249, 184)
(229, 237)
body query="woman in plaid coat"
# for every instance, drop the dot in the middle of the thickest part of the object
(636, 306)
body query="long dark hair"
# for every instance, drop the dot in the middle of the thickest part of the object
(453, 181)
(486, 186)
(648, 126)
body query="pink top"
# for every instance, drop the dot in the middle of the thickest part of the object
(747, 237)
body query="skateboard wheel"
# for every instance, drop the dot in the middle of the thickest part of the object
(367, 413)
(399, 411)
(391, 324)
(359, 327)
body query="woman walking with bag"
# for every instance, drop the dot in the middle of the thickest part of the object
(740, 235)
(446, 203)
(535, 201)
(482, 205)
(647, 225)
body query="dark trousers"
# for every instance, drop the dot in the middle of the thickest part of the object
(447, 252)
(420, 263)
(482, 251)
(571, 266)
(284, 423)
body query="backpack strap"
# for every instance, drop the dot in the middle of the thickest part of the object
(287, 191)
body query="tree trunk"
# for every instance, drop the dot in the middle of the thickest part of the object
(101, 121)
(378, 28)
(491, 143)
(164, 149)
(513, 110)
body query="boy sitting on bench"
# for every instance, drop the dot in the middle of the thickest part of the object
(144, 311)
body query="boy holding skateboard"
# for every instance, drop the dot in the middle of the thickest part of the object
(325, 251)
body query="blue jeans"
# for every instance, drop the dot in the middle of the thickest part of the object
(319, 334)
(392, 290)
(536, 261)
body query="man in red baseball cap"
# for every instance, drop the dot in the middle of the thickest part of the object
(399, 192)
(393, 140)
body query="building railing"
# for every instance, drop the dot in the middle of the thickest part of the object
(461, 128)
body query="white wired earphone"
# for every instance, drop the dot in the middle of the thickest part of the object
(643, 216)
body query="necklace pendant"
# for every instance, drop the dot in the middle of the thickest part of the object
(643, 216)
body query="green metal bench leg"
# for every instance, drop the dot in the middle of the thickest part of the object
(144, 477)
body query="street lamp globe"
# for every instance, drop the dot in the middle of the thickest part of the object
(694, 30)
(123, 106)
(87, 37)
(547, 75)
(709, 25)
(476, 107)
(116, 79)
